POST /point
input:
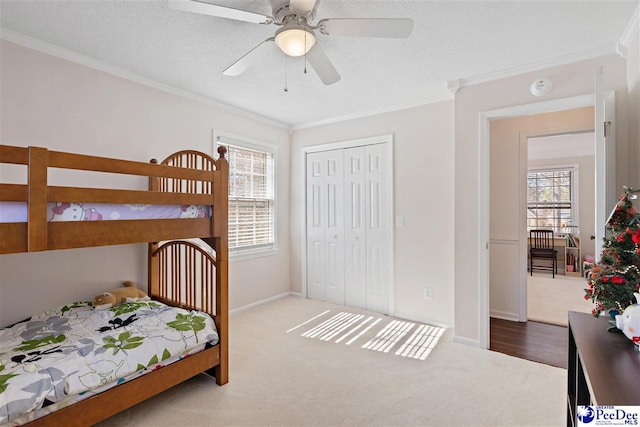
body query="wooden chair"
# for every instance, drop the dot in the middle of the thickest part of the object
(541, 247)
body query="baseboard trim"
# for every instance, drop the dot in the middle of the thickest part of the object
(424, 321)
(265, 301)
(513, 317)
(466, 341)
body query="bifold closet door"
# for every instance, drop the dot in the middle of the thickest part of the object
(325, 226)
(348, 226)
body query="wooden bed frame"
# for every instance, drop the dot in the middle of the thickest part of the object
(180, 273)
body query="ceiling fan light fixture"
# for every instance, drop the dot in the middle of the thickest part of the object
(295, 41)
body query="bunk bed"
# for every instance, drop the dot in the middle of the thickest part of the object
(187, 254)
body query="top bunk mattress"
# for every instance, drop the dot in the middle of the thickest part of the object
(66, 211)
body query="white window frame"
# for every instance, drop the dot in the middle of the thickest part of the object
(224, 138)
(573, 228)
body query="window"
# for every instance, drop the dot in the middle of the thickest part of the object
(550, 202)
(251, 196)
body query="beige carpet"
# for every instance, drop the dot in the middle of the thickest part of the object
(298, 362)
(549, 299)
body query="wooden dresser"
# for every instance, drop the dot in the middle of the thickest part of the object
(603, 367)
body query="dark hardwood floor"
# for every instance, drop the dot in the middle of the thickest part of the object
(539, 342)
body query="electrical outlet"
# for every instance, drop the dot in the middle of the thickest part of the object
(428, 293)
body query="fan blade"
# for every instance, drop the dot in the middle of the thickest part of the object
(322, 65)
(385, 27)
(302, 7)
(196, 6)
(254, 56)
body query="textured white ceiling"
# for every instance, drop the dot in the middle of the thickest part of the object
(451, 40)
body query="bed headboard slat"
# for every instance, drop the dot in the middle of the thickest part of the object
(186, 275)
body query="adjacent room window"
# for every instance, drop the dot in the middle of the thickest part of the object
(550, 201)
(251, 196)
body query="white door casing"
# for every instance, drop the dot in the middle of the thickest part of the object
(605, 191)
(483, 190)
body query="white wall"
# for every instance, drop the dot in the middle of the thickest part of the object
(58, 104)
(568, 81)
(423, 188)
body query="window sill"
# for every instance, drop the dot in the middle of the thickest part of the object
(241, 255)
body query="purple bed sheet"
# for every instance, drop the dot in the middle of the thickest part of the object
(58, 211)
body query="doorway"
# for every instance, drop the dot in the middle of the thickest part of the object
(349, 203)
(560, 196)
(508, 201)
(509, 141)
(604, 108)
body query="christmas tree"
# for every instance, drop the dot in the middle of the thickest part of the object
(614, 279)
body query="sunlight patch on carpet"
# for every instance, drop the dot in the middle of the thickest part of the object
(409, 339)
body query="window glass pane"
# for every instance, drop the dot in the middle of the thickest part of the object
(549, 199)
(251, 204)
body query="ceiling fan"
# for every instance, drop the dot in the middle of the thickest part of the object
(296, 35)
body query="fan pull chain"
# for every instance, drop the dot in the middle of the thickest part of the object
(305, 52)
(286, 62)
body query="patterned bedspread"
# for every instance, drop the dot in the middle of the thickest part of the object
(17, 211)
(76, 350)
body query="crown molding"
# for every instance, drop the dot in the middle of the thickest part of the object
(444, 96)
(632, 28)
(454, 86)
(53, 50)
(541, 65)
(619, 48)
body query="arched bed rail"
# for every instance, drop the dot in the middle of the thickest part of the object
(214, 183)
(190, 159)
(186, 276)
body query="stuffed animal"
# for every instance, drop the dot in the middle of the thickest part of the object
(629, 322)
(119, 296)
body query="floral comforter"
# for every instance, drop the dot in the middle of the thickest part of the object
(75, 349)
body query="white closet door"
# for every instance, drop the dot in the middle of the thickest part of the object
(355, 274)
(349, 226)
(325, 226)
(378, 226)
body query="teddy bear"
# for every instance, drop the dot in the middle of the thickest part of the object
(129, 293)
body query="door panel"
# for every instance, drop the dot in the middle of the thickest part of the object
(378, 229)
(355, 255)
(325, 235)
(315, 230)
(334, 231)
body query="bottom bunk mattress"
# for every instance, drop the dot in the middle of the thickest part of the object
(64, 355)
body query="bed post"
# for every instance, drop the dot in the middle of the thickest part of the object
(153, 270)
(221, 243)
(37, 199)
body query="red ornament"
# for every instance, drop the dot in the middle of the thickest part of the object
(618, 280)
